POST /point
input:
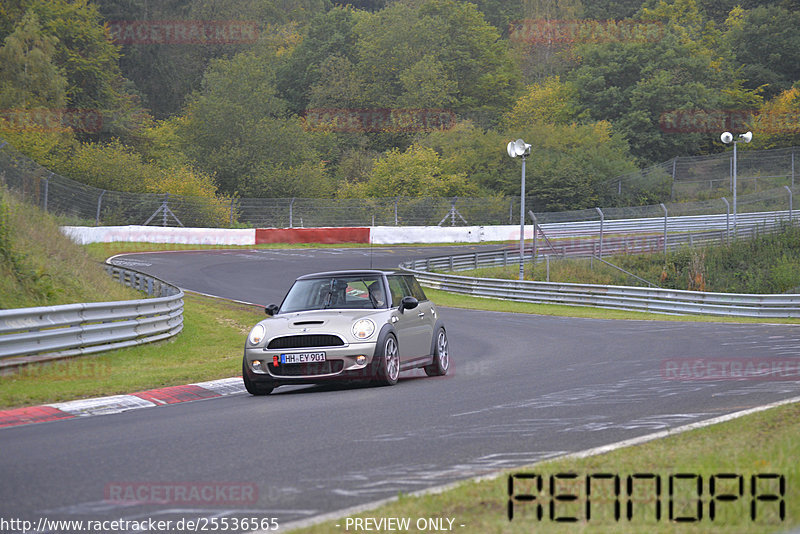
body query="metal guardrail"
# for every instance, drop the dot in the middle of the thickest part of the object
(53, 332)
(654, 300)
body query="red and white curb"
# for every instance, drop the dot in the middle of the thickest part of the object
(121, 403)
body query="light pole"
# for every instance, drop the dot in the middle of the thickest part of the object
(522, 149)
(727, 138)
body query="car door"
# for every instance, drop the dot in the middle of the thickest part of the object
(408, 325)
(426, 314)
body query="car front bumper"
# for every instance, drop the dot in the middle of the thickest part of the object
(349, 361)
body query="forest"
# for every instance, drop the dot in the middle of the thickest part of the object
(380, 98)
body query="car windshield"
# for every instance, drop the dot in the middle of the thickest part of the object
(335, 292)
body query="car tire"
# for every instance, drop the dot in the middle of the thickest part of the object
(254, 388)
(387, 368)
(441, 355)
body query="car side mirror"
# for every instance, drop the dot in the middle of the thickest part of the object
(271, 310)
(408, 303)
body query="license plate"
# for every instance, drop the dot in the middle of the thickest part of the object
(303, 357)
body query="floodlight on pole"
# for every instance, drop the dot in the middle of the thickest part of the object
(728, 138)
(522, 149)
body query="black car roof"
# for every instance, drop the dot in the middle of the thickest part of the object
(355, 272)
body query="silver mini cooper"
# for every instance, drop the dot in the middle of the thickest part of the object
(362, 325)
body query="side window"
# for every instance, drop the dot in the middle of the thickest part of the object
(416, 289)
(398, 288)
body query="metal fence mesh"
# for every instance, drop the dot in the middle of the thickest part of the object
(765, 177)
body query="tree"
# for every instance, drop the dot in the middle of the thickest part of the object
(633, 83)
(327, 47)
(465, 51)
(765, 44)
(566, 169)
(88, 57)
(551, 101)
(29, 76)
(417, 172)
(239, 129)
(167, 74)
(777, 123)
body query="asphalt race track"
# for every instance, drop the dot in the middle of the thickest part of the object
(522, 388)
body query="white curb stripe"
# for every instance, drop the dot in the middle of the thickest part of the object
(223, 386)
(102, 405)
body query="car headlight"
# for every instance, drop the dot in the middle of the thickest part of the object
(363, 328)
(257, 334)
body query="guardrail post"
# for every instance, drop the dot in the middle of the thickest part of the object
(727, 220)
(663, 207)
(602, 218)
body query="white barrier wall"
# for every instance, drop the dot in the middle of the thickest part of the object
(379, 235)
(84, 235)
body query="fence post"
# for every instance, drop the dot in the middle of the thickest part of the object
(602, 218)
(663, 207)
(46, 191)
(790, 203)
(291, 213)
(165, 210)
(672, 189)
(230, 223)
(727, 220)
(99, 204)
(395, 212)
(792, 166)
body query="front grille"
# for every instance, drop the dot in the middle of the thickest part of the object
(306, 369)
(303, 341)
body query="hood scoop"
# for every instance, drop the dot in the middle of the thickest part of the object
(307, 323)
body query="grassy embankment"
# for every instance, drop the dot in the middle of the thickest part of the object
(39, 266)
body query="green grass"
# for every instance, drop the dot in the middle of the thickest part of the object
(39, 266)
(209, 347)
(756, 444)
